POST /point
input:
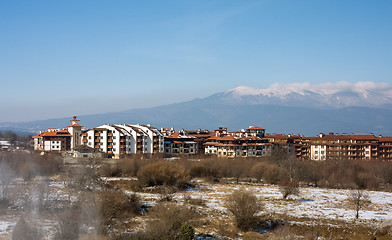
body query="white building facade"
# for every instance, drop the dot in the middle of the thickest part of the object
(124, 139)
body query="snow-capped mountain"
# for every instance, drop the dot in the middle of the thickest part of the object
(341, 94)
(304, 108)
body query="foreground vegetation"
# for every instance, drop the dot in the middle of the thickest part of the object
(147, 197)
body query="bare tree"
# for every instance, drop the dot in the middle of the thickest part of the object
(359, 199)
(288, 187)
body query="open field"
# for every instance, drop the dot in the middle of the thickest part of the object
(131, 199)
(315, 209)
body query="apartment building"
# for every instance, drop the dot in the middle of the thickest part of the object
(384, 148)
(337, 146)
(181, 143)
(287, 142)
(124, 139)
(245, 143)
(64, 139)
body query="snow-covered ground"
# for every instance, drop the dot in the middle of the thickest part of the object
(314, 203)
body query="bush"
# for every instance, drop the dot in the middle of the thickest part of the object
(273, 174)
(69, 222)
(186, 232)
(171, 221)
(244, 205)
(116, 207)
(206, 168)
(24, 230)
(259, 170)
(163, 173)
(288, 188)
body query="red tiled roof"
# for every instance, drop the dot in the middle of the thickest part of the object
(54, 133)
(385, 139)
(256, 128)
(75, 125)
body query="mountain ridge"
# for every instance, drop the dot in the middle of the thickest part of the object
(303, 111)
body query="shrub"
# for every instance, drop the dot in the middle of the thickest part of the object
(186, 232)
(288, 188)
(116, 206)
(244, 205)
(68, 223)
(24, 230)
(170, 222)
(273, 174)
(259, 170)
(163, 173)
(206, 168)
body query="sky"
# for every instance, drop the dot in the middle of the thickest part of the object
(65, 58)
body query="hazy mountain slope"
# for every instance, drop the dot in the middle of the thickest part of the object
(304, 111)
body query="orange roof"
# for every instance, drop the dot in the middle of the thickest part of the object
(75, 125)
(74, 119)
(174, 135)
(54, 133)
(256, 128)
(385, 139)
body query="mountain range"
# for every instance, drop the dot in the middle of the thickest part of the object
(304, 108)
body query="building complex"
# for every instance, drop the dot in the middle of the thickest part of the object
(122, 139)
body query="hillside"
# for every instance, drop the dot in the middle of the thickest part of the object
(284, 109)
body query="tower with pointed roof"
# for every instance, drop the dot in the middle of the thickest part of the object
(75, 130)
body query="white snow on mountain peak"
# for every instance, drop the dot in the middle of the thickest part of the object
(279, 90)
(340, 93)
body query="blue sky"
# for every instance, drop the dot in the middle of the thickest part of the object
(60, 58)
